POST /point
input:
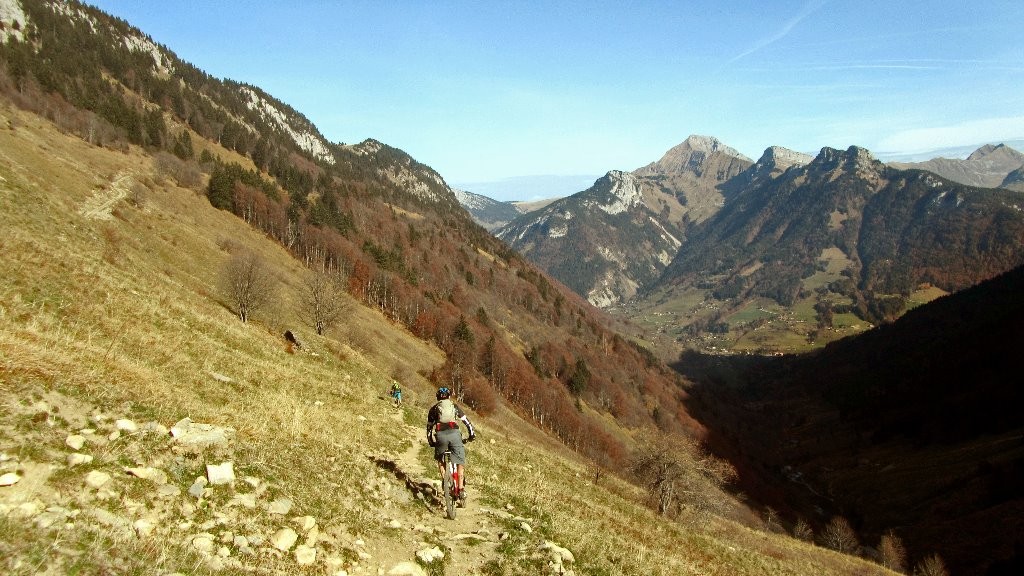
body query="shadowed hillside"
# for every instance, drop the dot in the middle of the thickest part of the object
(913, 426)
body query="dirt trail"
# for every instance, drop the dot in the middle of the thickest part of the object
(470, 539)
(101, 205)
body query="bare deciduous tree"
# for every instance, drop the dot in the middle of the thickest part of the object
(675, 469)
(931, 566)
(247, 283)
(323, 302)
(892, 552)
(840, 536)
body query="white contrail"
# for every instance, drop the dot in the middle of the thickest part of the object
(808, 9)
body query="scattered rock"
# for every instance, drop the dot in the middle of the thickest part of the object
(75, 441)
(194, 435)
(430, 555)
(96, 479)
(76, 458)
(284, 539)
(154, 475)
(168, 491)
(223, 473)
(204, 543)
(280, 506)
(125, 425)
(525, 527)
(395, 524)
(243, 500)
(305, 555)
(143, 526)
(562, 555)
(198, 487)
(9, 479)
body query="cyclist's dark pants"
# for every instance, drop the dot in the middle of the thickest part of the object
(450, 440)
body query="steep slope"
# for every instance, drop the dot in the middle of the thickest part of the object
(1014, 180)
(373, 220)
(113, 330)
(487, 212)
(609, 241)
(986, 167)
(845, 234)
(913, 425)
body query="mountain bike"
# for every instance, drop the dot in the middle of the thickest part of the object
(450, 492)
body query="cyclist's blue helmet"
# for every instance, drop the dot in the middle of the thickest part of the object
(443, 392)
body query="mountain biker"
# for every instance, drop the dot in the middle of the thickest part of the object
(443, 434)
(396, 393)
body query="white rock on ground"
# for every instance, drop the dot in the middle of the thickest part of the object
(9, 479)
(195, 435)
(154, 475)
(198, 487)
(76, 458)
(223, 473)
(305, 555)
(284, 539)
(96, 479)
(280, 506)
(125, 425)
(203, 543)
(557, 552)
(75, 441)
(429, 555)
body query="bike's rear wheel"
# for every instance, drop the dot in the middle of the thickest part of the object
(447, 489)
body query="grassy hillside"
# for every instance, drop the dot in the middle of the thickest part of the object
(109, 309)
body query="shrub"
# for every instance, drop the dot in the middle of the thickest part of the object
(803, 531)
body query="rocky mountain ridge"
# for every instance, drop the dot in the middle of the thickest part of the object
(608, 241)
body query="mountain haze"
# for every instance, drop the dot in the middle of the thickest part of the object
(487, 212)
(986, 167)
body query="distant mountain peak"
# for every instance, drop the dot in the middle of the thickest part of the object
(853, 154)
(985, 151)
(783, 158)
(996, 153)
(706, 144)
(690, 156)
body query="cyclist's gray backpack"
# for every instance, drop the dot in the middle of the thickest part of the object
(446, 411)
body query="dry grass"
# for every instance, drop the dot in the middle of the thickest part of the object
(123, 314)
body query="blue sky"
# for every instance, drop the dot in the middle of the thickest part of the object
(491, 91)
